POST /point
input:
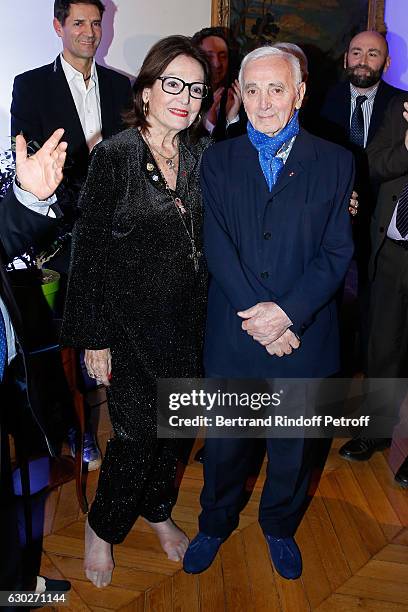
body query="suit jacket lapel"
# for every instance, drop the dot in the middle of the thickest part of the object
(302, 152)
(295, 164)
(391, 190)
(341, 108)
(380, 103)
(105, 96)
(250, 166)
(345, 109)
(63, 104)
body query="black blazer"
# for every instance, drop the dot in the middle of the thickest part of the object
(337, 107)
(388, 161)
(42, 102)
(47, 399)
(20, 228)
(335, 126)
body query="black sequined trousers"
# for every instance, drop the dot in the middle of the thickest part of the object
(133, 288)
(139, 472)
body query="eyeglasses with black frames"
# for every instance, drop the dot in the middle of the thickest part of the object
(174, 86)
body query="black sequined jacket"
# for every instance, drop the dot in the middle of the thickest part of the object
(132, 280)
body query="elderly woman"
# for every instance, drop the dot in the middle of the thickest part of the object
(137, 292)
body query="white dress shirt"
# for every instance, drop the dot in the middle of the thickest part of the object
(87, 101)
(392, 231)
(43, 208)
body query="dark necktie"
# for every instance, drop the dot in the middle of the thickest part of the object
(357, 123)
(402, 212)
(3, 346)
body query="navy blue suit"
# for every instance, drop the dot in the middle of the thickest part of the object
(291, 246)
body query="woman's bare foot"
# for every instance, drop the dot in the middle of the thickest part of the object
(173, 541)
(98, 561)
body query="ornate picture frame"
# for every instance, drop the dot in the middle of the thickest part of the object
(370, 16)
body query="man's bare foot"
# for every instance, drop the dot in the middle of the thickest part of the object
(173, 541)
(98, 561)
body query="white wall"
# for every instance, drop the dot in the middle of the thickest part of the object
(396, 18)
(130, 27)
(27, 38)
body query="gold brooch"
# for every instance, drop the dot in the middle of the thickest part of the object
(149, 166)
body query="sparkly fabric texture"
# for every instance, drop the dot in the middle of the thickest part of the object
(133, 288)
(268, 147)
(3, 346)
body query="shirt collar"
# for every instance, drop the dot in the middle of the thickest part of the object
(370, 94)
(72, 73)
(284, 151)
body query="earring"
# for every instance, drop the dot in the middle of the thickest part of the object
(145, 108)
(198, 118)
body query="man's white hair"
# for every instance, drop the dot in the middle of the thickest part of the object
(271, 51)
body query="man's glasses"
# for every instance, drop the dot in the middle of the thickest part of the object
(173, 85)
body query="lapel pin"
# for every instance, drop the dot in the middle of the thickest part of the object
(149, 166)
(291, 173)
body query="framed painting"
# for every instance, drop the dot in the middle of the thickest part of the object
(322, 28)
(324, 25)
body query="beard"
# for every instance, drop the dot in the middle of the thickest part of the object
(364, 81)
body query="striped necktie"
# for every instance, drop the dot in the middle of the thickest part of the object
(3, 346)
(402, 212)
(357, 123)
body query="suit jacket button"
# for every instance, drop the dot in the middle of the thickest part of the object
(264, 274)
(267, 235)
(394, 198)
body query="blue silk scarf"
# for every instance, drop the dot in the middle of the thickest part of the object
(268, 147)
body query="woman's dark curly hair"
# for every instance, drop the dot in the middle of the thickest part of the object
(154, 64)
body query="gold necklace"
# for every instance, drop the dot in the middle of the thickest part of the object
(169, 160)
(182, 210)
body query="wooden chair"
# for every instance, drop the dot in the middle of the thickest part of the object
(71, 365)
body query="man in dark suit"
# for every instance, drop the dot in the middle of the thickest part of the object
(87, 100)
(365, 61)
(278, 243)
(351, 115)
(72, 92)
(388, 271)
(26, 217)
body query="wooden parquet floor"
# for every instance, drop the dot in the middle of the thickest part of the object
(354, 542)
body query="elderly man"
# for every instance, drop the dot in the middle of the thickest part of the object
(278, 244)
